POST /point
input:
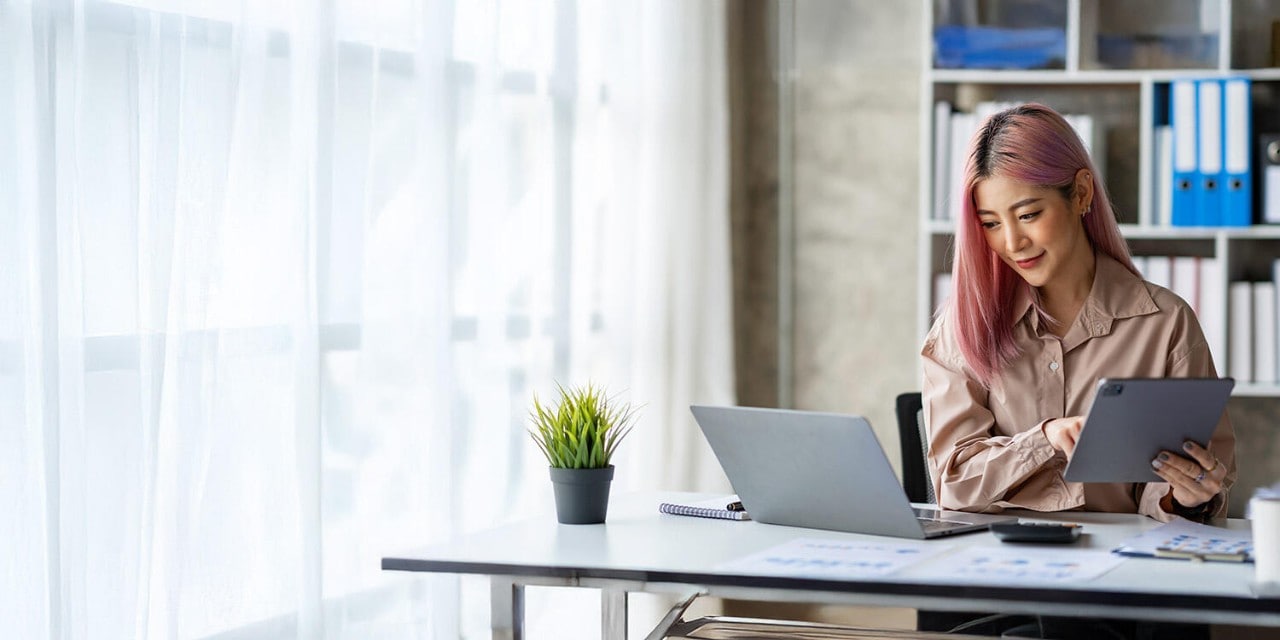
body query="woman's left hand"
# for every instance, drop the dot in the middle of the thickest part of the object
(1195, 478)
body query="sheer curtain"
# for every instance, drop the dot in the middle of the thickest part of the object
(281, 278)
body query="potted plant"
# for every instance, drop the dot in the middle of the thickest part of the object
(578, 435)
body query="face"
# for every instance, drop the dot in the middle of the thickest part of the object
(1035, 230)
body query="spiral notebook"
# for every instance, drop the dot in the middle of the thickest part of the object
(724, 507)
(1188, 540)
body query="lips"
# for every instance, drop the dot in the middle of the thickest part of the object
(1029, 262)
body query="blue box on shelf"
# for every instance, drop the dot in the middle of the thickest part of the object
(1158, 51)
(980, 47)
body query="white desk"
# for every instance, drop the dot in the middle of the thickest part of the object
(639, 549)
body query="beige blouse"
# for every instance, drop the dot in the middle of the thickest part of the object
(986, 448)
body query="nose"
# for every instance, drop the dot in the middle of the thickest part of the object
(1014, 239)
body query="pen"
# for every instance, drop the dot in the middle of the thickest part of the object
(1165, 552)
(735, 506)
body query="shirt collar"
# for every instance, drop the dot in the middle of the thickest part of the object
(1116, 293)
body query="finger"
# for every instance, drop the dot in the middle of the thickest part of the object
(1189, 489)
(1176, 479)
(1198, 453)
(1172, 460)
(1199, 472)
(1185, 490)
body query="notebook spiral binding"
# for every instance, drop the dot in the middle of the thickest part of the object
(702, 511)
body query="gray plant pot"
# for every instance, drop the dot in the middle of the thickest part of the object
(582, 495)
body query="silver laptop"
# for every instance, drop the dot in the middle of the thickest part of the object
(822, 471)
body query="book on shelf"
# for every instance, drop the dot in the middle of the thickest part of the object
(941, 160)
(1093, 139)
(722, 507)
(1269, 174)
(1213, 310)
(1162, 196)
(1160, 271)
(1275, 309)
(1240, 342)
(963, 126)
(1182, 116)
(1140, 262)
(1237, 176)
(1185, 280)
(1209, 172)
(1264, 332)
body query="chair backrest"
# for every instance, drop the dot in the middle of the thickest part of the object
(915, 448)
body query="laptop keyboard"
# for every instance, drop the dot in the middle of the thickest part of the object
(934, 524)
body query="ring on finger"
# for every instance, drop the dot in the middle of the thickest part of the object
(1216, 462)
(1200, 478)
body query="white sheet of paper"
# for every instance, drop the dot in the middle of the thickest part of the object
(817, 557)
(1184, 535)
(1016, 565)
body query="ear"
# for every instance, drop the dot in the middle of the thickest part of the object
(1083, 190)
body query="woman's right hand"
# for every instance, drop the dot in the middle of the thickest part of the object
(1063, 433)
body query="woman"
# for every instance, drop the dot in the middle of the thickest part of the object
(1045, 303)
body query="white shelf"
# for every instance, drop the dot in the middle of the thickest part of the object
(1089, 77)
(1123, 101)
(1255, 232)
(1143, 232)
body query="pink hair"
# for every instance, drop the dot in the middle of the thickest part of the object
(1030, 143)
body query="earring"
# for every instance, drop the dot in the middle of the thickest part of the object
(1087, 209)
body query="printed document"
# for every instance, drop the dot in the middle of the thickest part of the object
(1013, 565)
(821, 558)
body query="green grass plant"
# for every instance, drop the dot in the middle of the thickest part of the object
(582, 429)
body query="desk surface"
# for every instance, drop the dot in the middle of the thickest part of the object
(638, 545)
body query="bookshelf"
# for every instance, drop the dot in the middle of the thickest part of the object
(1114, 61)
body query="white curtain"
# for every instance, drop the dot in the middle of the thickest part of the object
(279, 279)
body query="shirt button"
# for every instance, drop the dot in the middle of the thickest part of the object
(1053, 366)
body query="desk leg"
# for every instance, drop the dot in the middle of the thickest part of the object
(506, 609)
(613, 614)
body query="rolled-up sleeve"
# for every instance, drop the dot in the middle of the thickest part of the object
(974, 466)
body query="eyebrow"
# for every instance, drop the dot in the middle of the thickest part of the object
(1015, 206)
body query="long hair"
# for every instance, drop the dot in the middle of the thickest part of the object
(1030, 143)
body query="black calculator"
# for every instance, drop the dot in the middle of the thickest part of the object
(1035, 532)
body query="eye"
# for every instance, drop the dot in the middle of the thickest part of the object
(1029, 216)
(989, 224)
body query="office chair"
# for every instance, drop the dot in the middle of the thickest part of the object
(916, 480)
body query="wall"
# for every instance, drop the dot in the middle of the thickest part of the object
(856, 125)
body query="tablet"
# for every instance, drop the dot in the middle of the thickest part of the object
(1134, 419)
